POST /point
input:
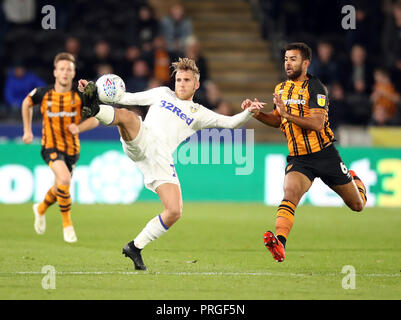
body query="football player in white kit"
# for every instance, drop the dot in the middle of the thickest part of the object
(172, 118)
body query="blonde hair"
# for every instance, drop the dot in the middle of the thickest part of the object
(186, 64)
(64, 56)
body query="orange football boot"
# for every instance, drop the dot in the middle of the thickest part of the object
(274, 245)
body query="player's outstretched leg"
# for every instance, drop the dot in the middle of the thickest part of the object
(275, 246)
(127, 121)
(360, 185)
(353, 193)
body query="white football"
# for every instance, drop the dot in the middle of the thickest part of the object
(110, 88)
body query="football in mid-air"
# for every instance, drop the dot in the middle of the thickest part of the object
(110, 88)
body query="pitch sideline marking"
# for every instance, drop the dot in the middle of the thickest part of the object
(195, 273)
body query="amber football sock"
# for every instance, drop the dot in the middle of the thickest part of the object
(64, 202)
(49, 199)
(284, 220)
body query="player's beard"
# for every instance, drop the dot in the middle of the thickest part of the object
(296, 73)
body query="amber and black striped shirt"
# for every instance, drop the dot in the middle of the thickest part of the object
(301, 99)
(59, 110)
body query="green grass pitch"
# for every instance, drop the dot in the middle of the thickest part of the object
(214, 252)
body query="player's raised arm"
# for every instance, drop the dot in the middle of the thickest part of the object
(143, 98)
(314, 122)
(272, 118)
(214, 120)
(85, 125)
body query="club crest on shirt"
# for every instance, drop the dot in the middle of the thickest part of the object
(321, 100)
(193, 108)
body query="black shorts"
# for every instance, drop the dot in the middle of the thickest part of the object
(51, 155)
(325, 164)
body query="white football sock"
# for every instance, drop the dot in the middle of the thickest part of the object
(154, 229)
(105, 114)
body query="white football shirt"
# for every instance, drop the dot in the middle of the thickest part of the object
(173, 120)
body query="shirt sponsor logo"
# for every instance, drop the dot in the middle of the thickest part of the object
(177, 111)
(294, 101)
(61, 114)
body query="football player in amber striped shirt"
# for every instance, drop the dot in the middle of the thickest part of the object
(61, 110)
(301, 112)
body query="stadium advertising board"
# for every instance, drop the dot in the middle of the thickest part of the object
(208, 172)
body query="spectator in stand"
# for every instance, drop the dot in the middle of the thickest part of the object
(19, 83)
(102, 52)
(340, 112)
(223, 107)
(384, 98)
(103, 69)
(323, 65)
(357, 76)
(148, 25)
(132, 53)
(140, 77)
(192, 51)
(73, 45)
(392, 42)
(176, 28)
(213, 100)
(144, 28)
(212, 95)
(153, 83)
(19, 13)
(161, 61)
(357, 79)
(366, 26)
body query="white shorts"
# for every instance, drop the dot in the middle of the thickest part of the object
(152, 158)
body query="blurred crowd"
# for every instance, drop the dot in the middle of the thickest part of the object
(361, 67)
(122, 37)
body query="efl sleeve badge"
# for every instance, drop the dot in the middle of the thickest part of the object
(321, 100)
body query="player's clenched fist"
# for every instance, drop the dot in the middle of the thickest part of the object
(27, 137)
